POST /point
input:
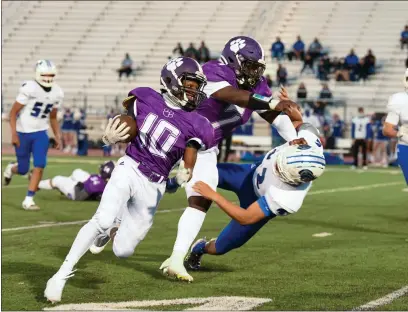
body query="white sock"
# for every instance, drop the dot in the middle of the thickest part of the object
(82, 242)
(45, 185)
(188, 227)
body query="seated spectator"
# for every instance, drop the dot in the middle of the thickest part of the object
(325, 93)
(178, 50)
(315, 49)
(322, 72)
(308, 62)
(192, 52)
(404, 37)
(204, 53)
(342, 74)
(126, 67)
(370, 59)
(301, 91)
(281, 75)
(362, 70)
(351, 61)
(278, 49)
(298, 50)
(335, 64)
(269, 80)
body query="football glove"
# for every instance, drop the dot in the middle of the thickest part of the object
(183, 174)
(114, 134)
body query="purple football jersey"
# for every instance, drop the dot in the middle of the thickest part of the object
(94, 185)
(225, 117)
(164, 132)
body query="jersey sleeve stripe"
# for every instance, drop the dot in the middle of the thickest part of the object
(264, 206)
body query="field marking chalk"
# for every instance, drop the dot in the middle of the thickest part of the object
(323, 234)
(383, 300)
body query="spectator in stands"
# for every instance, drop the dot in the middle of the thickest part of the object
(404, 37)
(322, 71)
(325, 93)
(278, 49)
(308, 62)
(362, 70)
(335, 64)
(301, 92)
(315, 49)
(298, 50)
(178, 50)
(338, 126)
(126, 67)
(351, 62)
(282, 75)
(204, 53)
(269, 80)
(369, 60)
(359, 134)
(192, 52)
(342, 74)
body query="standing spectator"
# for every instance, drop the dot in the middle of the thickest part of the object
(301, 92)
(308, 62)
(192, 52)
(178, 50)
(338, 126)
(359, 134)
(315, 49)
(351, 62)
(370, 59)
(269, 80)
(404, 37)
(204, 53)
(278, 49)
(281, 75)
(67, 130)
(126, 67)
(325, 93)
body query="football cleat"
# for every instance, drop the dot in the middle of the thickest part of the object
(29, 204)
(8, 174)
(99, 243)
(55, 286)
(193, 260)
(175, 270)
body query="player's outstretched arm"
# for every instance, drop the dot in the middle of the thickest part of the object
(250, 215)
(55, 128)
(17, 107)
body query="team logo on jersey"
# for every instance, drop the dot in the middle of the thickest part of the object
(168, 113)
(237, 45)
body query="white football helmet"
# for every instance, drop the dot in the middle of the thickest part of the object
(45, 72)
(406, 79)
(297, 164)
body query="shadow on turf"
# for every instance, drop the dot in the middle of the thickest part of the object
(37, 276)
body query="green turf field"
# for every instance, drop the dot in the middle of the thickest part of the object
(364, 259)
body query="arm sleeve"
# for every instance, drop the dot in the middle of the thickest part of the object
(24, 93)
(393, 112)
(285, 127)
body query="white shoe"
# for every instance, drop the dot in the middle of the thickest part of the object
(175, 269)
(405, 189)
(365, 167)
(55, 286)
(8, 174)
(353, 167)
(99, 243)
(29, 204)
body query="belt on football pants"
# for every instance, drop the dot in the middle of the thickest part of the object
(148, 173)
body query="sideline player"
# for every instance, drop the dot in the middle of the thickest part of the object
(38, 100)
(169, 130)
(398, 116)
(235, 89)
(81, 185)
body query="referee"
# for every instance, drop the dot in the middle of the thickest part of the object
(359, 133)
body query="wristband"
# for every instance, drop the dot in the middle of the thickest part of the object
(259, 102)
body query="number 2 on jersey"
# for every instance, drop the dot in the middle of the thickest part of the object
(158, 135)
(38, 108)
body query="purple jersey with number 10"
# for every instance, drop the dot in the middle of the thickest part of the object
(225, 117)
(164, 132)
(94, 185)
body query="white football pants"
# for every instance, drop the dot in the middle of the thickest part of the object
(66, 185)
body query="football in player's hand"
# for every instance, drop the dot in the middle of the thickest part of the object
(133, 131)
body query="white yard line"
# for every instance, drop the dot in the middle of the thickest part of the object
(340, 189)
(383, 300)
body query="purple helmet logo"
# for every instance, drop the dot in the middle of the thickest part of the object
(247, 58)
(105, 170)
(174, 77)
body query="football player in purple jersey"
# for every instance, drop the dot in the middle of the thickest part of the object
(235, 89)
(168, 130)
(81, 185)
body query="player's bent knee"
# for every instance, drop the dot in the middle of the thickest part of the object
(22, 169)
(104, 220)
(122, 250)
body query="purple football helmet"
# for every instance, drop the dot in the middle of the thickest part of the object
(247, 58)
(105, 170)
(172, 77)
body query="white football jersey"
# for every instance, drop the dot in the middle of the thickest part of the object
(398, 109)
(281, 198)
(38, 104)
